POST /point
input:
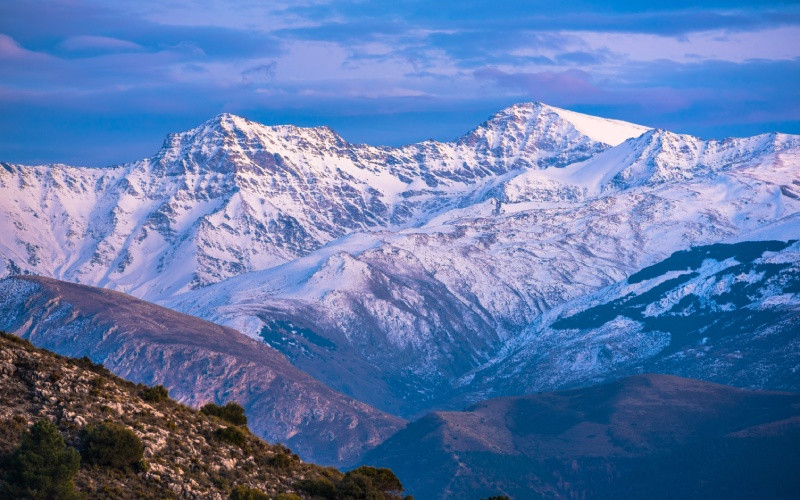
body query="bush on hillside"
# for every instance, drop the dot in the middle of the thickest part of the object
(242, 492)
(154, 394)
(112, 445)
(317, 487)
(232, 412)
(368, 483)
(233, 435)
(288, 496)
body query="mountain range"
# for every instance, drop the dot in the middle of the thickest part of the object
(389, 273)
(543, 250)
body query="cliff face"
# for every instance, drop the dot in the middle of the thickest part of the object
(198, 361)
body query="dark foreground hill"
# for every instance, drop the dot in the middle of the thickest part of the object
(647, 436)
(197, 361)
(182, 452)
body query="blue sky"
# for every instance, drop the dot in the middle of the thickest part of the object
(99, 82)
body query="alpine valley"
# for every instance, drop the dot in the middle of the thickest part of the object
(545, 250)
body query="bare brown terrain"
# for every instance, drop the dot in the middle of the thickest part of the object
(196, 360)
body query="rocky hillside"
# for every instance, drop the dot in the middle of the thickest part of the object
(198, 361)
(185, 454)
(648, 436)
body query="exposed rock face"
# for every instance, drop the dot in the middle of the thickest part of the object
(648, 436)
(231, 196)
(196, 360)
(183, 457)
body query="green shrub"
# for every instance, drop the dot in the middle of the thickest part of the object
(112, 445)
(42, 467)
(317, 487)
(232, 412)
(280, 460)
(17, 340)
(154, 394)
(383, 479)
(221, 483)
(368, 483)
(358, 487)
(287, 496)
(90, 365)
(242, 492)
(232, 435)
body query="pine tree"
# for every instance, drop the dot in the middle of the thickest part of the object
(42, 467)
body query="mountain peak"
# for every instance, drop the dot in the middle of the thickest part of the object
(228, 121)
(543, 119)
(605, 130)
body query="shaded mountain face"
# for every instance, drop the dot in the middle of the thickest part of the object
(725, 312)
(197, 361)
(647, 436)
(391, 274)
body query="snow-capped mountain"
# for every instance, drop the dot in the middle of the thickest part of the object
(404, 313)
(392, 273)
(233, 196)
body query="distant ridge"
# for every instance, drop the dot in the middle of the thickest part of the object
(648, 436)
(198, 361)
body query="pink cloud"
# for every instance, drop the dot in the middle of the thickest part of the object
(98, 44)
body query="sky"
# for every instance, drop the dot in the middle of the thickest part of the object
(101, 82)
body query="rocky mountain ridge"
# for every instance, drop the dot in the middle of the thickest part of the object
(233, 196)
(420, 307)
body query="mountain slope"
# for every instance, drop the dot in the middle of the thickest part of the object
(725, 312)
(391, 273)
(198, 361)
(183, 455)
(688, 438)
(416, 309)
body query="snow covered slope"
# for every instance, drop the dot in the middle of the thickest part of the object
(392, 273)
(233, 196)
(394, 317)
(720, 312)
